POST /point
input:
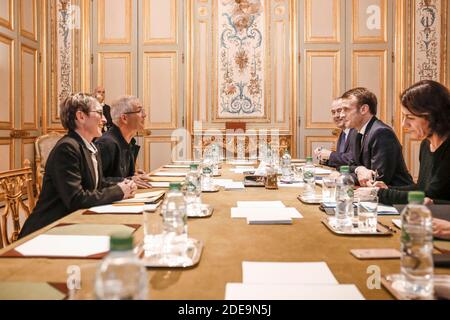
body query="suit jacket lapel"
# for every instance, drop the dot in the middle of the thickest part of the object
(366, 138)
(87, 156)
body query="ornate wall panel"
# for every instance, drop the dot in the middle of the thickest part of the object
(370, 71)
(28, 19)
(322, 21)
(369, 21)
(7, 14)
(429, 49)
(7, 82)
(322, 86)
(114, 25)
(28, 88)
(160, 21)
(27, 150)
(160, 75)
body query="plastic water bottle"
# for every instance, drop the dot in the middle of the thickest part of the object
(417, 248)
(309, 178)
(215, 159)
(174, 222)
(344, 199)
(286, 165)
(121, 276)
(206, 179)
(192, 191)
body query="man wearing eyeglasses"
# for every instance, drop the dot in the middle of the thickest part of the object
(99, 94)
(118, 148)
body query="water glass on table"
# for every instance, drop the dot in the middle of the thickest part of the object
(329, 189)
(153, 235)
(368, 215)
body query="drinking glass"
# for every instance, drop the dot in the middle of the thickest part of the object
(329, 189)
(368, 213)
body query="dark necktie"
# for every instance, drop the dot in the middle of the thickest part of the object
(358, 146)
(342, 141)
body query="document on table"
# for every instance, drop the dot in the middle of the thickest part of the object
(241, 291)
(222, 182)
(240, 169)
(260, 204)
(118, 209)
(145, 197)
(64, 246)
(177, 166)
(291, 185)
(234, 185)
(169, 174)
(160, 184)
(274, 212)
(269, 218)
(381, 210)
(287, 273)
(322, 171)
(241, 162)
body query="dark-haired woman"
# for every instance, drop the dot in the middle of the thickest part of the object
(426, 114)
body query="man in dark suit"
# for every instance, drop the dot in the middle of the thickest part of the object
(377, 151)
(99, 94)
(73, 174)
(118, 147)
(344, 149)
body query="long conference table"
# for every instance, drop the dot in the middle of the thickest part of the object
(227, 243)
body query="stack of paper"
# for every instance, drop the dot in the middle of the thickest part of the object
(265, 212)
(146, 198)
(322, 171)
(160, 184)
(297, 281)
(64, 246)
(381, 210)
(121, 209)
(169, 174)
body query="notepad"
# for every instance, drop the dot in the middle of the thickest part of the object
(254, 212)
(169, 174)
(287, 273)
(269, 218)
(145, 197)
(234, 185)
(64, 246)
(260, 204)
(381, 210)
(160, 184)
(240, 291)
(118, 209)
(322, 171)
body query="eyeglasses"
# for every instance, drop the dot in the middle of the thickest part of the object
(139, 111)
(100, 112)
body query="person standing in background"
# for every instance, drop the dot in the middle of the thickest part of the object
(99, 94)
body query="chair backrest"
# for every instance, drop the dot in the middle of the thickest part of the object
(43, 145)
(17, 186)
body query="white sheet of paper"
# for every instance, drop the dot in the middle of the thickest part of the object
(251, 212)
(241, 162)
(240, 291)
(148, 194)
(169, 174)
(222, 182)
(64, 246)
(322, 171)
(397, 222)
(382, 209)
(287, 273)
(177, 166)
(234, 185)
(242, 169)
(279, 218)
(260, 204)
(117, 209)
(160, 184)
(291, 185)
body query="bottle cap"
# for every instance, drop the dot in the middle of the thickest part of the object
(193, 166)
(309, 159)
(206, 170)
(174, 186)
(416, 197)
(121, 241)
(344, 169)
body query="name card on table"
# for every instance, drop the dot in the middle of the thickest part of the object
(274, 212)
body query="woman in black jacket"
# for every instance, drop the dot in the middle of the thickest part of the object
(426, 114)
